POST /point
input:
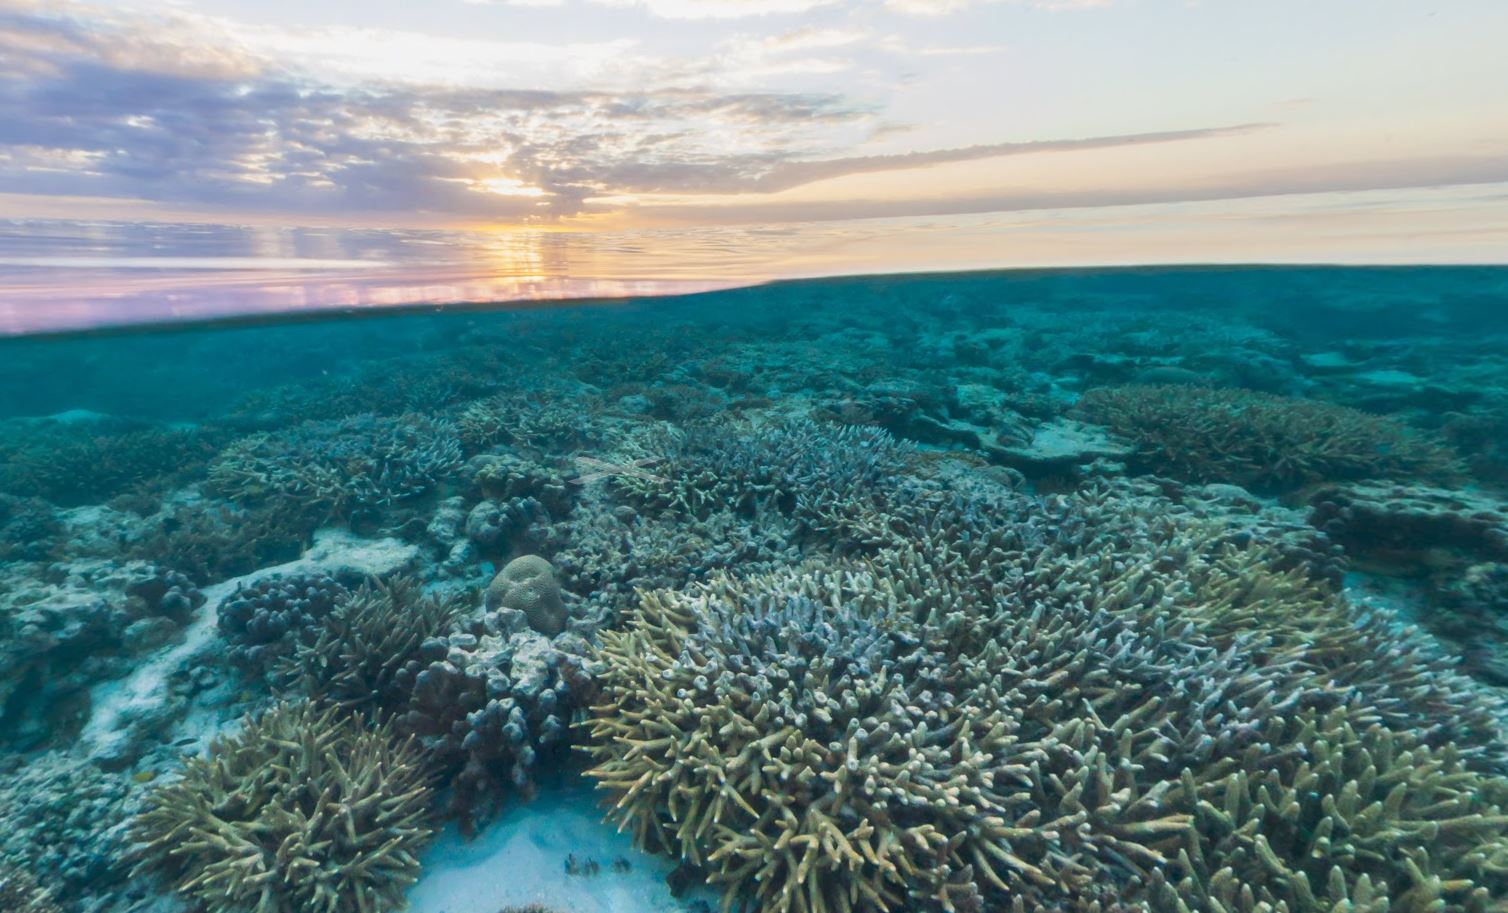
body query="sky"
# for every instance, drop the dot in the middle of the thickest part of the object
(1362, 129)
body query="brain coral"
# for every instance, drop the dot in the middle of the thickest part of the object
(305, 810)
(1258, 439)
(528, 584)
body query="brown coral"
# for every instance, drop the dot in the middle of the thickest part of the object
(1259, 439)
(306, 810)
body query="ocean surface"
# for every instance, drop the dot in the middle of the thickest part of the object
(372, 571)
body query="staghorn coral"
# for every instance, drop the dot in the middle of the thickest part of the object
(1259, 439)
(215, 540)
(804, 740)
(795, 466)
(20, 893)
(355, 464)
(305, 810)
(89, 461)
(532, 420)
(1332, 815)
(358, 652)
(1027, 712)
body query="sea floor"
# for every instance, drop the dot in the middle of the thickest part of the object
(462, 524)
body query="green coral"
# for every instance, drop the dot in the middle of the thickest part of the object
(305, 810)
(362, 653)
(20, 893)
(1259, 439)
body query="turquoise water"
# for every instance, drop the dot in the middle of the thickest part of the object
(1136, 589)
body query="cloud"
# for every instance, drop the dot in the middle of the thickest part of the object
(1378, 175)
(945, 7)
(718, 9)
(109, 109)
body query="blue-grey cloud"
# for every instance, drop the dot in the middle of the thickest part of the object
(114, 108)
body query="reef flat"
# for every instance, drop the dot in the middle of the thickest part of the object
(1124, 590)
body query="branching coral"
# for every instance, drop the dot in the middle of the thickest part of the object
(796, 466)
(1258, 439)
(341, 466)
(359, 651)
(805, 741)
(20, 893)
(1036, 713)
(1331, 815)
(89, 462)
(264, 621)
(306, 810)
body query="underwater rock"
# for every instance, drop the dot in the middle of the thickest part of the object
(1061, 445)
(527, 584)
(1403, 527)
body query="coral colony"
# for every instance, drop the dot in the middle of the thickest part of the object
(951, 595)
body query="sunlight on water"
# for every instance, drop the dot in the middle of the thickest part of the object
(59, 275)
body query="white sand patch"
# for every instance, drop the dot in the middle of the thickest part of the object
(119, 703)
(520, 860)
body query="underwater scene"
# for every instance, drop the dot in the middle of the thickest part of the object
(1143, 590)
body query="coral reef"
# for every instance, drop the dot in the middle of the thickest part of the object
(72, 627)
(20, 893)
(1059, 591)
(1007, 715)
(794, 466)
(305, 809)
(64, 820)
(95, 458)
(1335, 815)
(263, 621)
(360, 654)
(343, 466)
(527, 584)
(493, 699)
(1260, 440)
(214, 540)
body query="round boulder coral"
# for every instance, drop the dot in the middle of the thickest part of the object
(528, 585)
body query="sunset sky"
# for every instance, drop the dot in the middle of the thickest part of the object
(614, 115)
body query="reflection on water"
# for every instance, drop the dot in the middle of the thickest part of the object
(57, 275)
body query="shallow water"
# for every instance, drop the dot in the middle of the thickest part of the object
(1054, 587)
